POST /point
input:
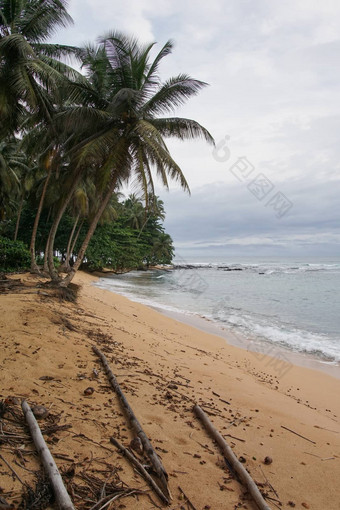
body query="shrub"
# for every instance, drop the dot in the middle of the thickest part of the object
(14, 255)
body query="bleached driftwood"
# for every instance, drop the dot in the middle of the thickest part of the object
(63, 499)
(232, 460)
(148, 448)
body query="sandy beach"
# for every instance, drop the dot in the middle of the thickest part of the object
(264, 407)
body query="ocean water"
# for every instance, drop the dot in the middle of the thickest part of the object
(289, 304)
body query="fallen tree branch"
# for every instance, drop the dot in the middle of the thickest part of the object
(140, 468)
(148, 448)
(232, 460)
(62, 497)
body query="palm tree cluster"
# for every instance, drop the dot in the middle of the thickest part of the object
(70, 140)
(136, 239)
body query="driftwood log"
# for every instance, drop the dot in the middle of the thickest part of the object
(140, 468)
(148, 448)
(232, 460)
(62, 497)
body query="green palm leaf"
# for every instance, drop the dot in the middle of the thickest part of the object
(174, 93)
(181, 128)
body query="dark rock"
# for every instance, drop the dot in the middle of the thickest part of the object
(89, 391)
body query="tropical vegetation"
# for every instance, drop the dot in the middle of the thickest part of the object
(70, 141)
(130, 236)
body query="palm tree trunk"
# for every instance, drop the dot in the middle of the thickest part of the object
(65, 266)
(34, 266)
(49, 215)
(141, 230)
(18, 218)
(52, 270)
(45, 268)
(65, 282)
(76, 238)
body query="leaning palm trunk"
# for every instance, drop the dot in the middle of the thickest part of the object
(45, 268)
(52, 270)
(76, 238)
(34, 265)
(66, 265)
(106, 199)
(75, 241)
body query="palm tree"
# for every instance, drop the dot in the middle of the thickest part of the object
(155, 207)
(38, 143)
(123, 127)
(16, 179)
(154, 210)
(28, 174)
(79, 209)
(10, 161)
(30, 68)
(33, 79)
(134, 212)
(162, 249)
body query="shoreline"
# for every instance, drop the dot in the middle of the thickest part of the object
(257, 347)
(164, 367)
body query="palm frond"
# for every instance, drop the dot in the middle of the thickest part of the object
(184, 129)
(81, 119)
(174, 93)
(16, 46)
(53, 65)
(158, 154)
(120, 50)
(152, 75)
(57, 51)
(99, 148)
(40, 19)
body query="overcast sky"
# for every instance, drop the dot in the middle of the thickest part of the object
(273, 101)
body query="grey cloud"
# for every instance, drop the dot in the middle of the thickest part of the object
(220, 215)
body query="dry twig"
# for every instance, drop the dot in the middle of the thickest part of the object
(297, 434)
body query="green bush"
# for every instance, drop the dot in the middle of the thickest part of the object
(14, 255)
